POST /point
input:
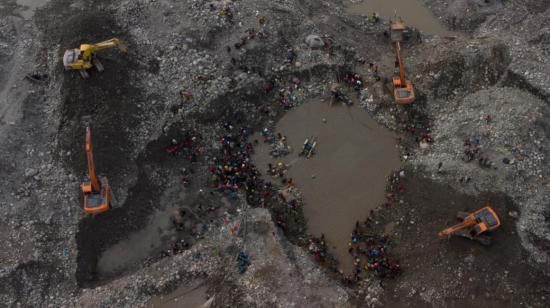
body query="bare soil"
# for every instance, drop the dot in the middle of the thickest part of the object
(456, 272)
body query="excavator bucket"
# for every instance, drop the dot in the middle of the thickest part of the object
(396, 31)
(122, 47)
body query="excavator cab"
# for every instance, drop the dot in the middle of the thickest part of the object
(96, 192)
(96, 202)
(403, 94)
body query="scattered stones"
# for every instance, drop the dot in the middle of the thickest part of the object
(314, 41)
(30, 172)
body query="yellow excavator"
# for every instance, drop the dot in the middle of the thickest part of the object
(84, 58)
(97, 193)
(474, 226)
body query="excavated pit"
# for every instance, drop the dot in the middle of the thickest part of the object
(485, 273)
(345, 180)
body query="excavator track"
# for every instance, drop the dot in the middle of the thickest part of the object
(98, 64)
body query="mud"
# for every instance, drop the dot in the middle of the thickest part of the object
(461, 271)
(185, 296)
(411, 11)
(345, 179)
(139, 245)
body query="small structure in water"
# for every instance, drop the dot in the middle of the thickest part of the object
(309, 147)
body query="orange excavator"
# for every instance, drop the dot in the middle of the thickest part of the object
(403, 91)
(97, 195)
(474, 225)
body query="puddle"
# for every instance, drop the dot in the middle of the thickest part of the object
(413, 13)
(346, 178)
(193, 296)
(30, 6)
(138, 246)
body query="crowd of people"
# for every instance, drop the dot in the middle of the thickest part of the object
(370, 255)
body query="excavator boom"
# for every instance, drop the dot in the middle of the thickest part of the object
(401, 67)
(96, 186)
(110, 44)
(468, 223)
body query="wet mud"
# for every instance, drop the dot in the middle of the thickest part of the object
(462, 269)
(346, 177)
(185, 296)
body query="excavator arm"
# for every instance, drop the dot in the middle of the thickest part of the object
(401, 66)
(87, 50)
(110, 44)
(467, 223)
(96, 186)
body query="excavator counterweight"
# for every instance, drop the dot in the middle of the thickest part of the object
(97, 194)
(84, 58)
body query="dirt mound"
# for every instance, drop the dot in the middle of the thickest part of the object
(454, 70)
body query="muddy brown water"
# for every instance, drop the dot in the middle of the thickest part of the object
(413, 13)
(138, 246)
(346, 177)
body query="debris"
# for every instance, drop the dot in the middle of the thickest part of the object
(314, 41)
(338, 95)
(40, 78)
(424, 144)
(243, 261)
(30, 172)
